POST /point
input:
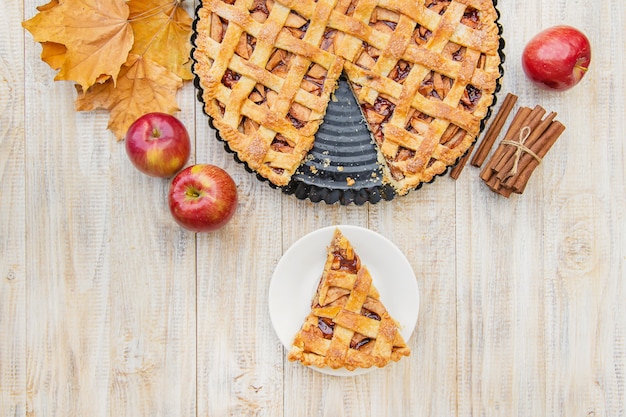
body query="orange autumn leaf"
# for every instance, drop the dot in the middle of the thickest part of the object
(96, 33)
(162, 31)
(53, 54)
(143, 86)
(99, 51)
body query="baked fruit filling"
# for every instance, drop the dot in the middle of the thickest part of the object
(438, 6)
(471, 18)
(424, 74)
(314, 79)
(421, 35)
(435, 86)
(296, 25)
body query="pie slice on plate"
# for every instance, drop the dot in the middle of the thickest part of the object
(423, 71)
(348, 326)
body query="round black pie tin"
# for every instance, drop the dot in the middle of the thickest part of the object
(342, 166)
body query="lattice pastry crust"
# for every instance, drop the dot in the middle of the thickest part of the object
(348, 326)
(424, 72)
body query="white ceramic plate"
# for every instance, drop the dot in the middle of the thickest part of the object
(298, 272)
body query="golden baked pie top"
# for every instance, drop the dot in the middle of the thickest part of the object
(423, 72)
(348, 326)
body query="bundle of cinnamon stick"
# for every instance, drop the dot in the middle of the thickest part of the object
(527, 140)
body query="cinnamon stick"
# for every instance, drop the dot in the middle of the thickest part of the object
(549, 138)
(518, 119)
(533, 119)
(456, 171)
(494, 130)
(521, 159)
(495, 186)
(527, 152)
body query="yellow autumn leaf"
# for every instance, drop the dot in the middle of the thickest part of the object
(162, 31)
(96, 34)
(143, 86)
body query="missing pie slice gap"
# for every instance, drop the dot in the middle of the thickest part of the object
(348, 326)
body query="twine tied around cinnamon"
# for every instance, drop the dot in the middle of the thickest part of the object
(521, 148)
(534, 132)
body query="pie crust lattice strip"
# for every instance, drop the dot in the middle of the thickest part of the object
(348, 326)
(424, 74)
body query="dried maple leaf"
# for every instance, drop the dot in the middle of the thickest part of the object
(143, 86)
(129, 57)
(96, 33)
(162, 31)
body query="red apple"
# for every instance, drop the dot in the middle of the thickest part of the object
(202, 197)
(557, 58)
(158, 144)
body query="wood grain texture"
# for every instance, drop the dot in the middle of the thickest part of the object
(108, 308)
(110, 318)
(535, 309)
(12, 219)
(239, 363)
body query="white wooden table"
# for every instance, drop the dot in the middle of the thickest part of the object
(107, 308)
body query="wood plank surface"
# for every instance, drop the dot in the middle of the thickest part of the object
(108, 308)
(12, 218)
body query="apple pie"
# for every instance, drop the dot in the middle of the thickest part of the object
(424, 73)
(348, 326)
